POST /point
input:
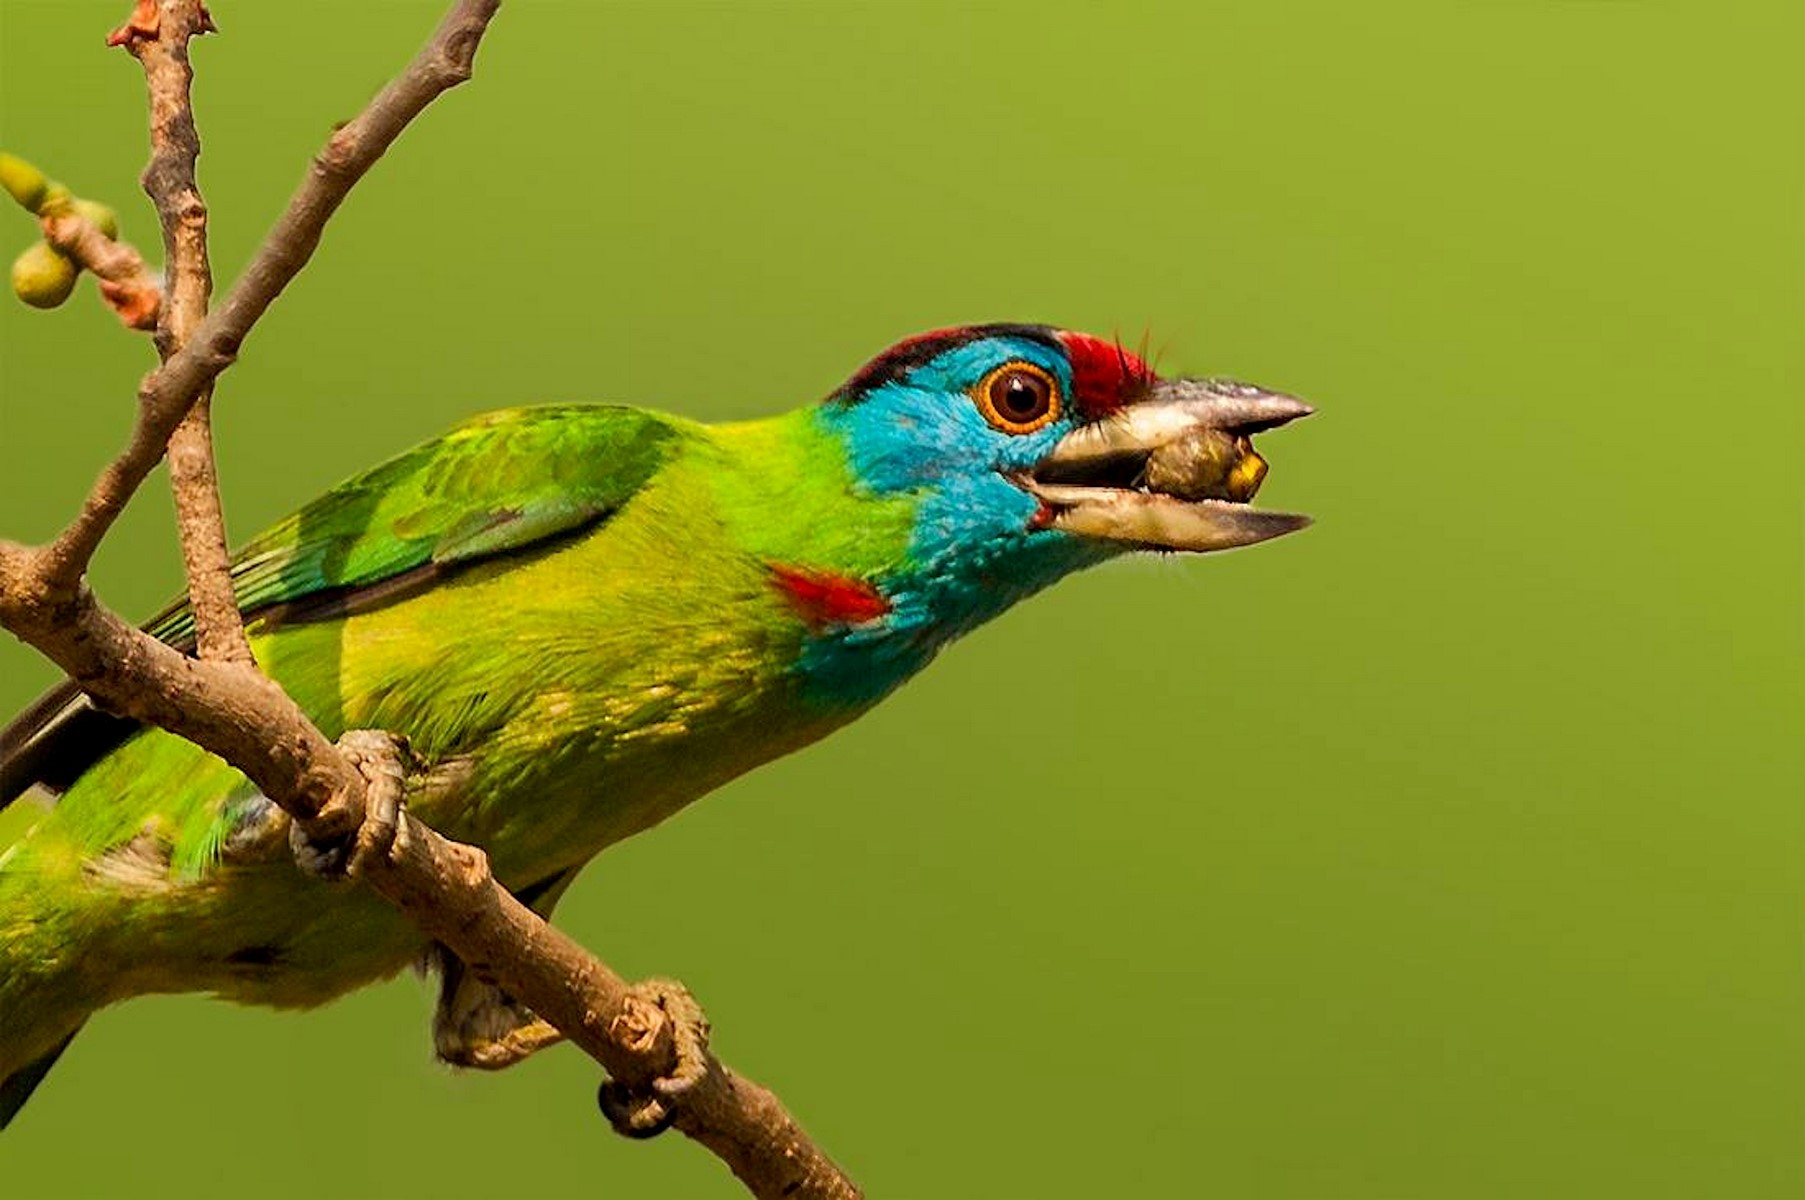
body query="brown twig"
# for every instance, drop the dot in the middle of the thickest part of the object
(249, 721)
(126, 283)
(169, 181)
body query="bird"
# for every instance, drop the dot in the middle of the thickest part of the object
(581, 618)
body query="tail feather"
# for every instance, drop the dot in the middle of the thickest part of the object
(17, 1088)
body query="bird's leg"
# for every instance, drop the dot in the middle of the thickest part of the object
(648, 1111)
(478, 1025)
(383, 760)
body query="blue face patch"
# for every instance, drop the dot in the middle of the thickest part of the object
(973, 552)
(925, 430)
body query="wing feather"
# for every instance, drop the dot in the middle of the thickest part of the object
(503, 483)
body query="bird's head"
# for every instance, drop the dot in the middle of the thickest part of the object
(1023, 440)
(1009, 456)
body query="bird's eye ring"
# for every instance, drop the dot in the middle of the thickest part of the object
(1018, 397)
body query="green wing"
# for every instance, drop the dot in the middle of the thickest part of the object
(500, 483)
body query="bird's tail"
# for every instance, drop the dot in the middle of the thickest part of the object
(17, 1088)
(48, 974)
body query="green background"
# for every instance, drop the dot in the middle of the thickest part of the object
(1450, 849)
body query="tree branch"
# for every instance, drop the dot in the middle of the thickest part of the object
(215, 701)
(170, 183)
(126, 284)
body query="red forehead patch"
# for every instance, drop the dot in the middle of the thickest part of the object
(1106, 375)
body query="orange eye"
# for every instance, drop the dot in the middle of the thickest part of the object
(1018, 397)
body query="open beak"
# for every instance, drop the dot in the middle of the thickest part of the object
(1174, 471)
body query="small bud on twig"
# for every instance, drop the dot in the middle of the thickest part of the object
(42, 277)
(23, 182)
(79, 235)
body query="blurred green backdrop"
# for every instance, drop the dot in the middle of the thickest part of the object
(1451, 849)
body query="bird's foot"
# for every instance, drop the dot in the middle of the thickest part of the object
(478, 1025)
(489, 1053)
(336, 844)
(648, 1111)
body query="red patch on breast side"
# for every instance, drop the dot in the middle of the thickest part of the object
(828, 598)
(1105, 375)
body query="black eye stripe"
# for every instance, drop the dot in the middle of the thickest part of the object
(895, 364)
